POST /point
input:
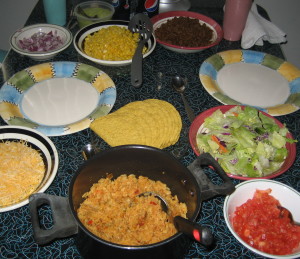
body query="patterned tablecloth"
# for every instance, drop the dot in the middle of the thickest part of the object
(16, 238)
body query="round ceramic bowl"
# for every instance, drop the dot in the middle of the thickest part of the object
(27, 33)
(99, 11)
(80, 36)
(43, 145)
(162, 18)
(287, 196)
(196, 127)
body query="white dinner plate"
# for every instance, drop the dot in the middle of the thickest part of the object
(246, 77)
(57, 98)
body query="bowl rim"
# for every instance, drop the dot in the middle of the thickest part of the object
(99, 3)
(195, 127)
(228, 223)
(83, 32)
(18, 32)
(203, 18)
(54, 158)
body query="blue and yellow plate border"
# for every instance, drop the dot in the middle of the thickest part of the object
(13, 90)
(211, 66)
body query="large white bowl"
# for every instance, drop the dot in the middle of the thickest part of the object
(287, 196)
(80, 36)
(28, 31)
(39, 142)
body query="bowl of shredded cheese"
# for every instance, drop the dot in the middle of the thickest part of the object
(29, 162)
(110, 43)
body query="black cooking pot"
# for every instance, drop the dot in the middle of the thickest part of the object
(191, 185)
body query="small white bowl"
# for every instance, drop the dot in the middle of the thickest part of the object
(80, 36)
(28, 31)
(287, 196)
(39, 142)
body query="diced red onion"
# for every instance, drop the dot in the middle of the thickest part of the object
(41, 42)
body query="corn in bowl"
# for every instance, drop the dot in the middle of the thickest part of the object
(112, 43)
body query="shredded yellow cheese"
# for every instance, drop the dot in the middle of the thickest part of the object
(21, 171)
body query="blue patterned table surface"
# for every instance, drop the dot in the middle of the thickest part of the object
(16, 237)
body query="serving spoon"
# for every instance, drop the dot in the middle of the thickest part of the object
(179, 84)
(285, 212)
(193, 230)
(140, 23)
(82, 12)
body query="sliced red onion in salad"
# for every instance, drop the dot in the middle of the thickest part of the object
(41, 42)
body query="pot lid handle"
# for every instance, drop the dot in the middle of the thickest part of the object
(208, 189)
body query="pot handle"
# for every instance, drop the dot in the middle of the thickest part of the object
(64, 223)
(208, 189)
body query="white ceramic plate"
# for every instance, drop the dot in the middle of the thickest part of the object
(245, 77)
(84, 32)
(39, 142)
(57, 98)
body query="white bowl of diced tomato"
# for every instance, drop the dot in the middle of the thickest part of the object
(254, 217)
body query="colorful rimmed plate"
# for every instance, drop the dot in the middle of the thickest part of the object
(246, 77)
(194, 129)
(162, 18)
(57, 98)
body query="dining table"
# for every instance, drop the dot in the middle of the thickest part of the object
(16, 234)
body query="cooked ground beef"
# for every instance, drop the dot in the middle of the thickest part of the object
(185, 32)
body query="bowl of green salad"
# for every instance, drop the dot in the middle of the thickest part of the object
(247, 143)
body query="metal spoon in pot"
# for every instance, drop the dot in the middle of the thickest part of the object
(193, 230)
(179, 83)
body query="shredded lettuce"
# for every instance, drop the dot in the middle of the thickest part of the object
(244, 141)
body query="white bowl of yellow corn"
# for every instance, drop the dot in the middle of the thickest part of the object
(109, 43)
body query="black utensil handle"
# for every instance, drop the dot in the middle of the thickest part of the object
(64, 224)
(137, 66)
(196, 232)
(208, 189)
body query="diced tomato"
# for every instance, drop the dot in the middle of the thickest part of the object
(260, 224)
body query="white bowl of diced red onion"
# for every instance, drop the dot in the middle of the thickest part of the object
(41, 41)
(254, 216)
